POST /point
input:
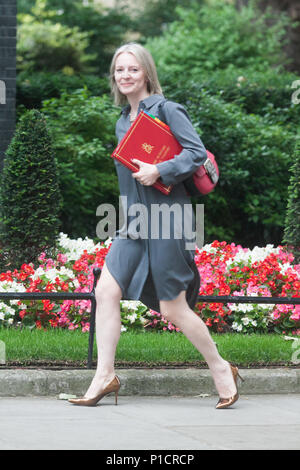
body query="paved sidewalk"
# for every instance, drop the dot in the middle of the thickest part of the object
(160, 423)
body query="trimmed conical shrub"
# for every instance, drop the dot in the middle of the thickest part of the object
(292, 221)
(30, 199)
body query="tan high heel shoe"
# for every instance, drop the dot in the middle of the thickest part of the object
(226, 402)
(113, 386)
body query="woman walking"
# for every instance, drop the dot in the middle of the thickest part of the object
(158, 271)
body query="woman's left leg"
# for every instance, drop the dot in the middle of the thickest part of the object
(178, 312)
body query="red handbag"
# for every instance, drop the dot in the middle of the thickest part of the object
(205, 178)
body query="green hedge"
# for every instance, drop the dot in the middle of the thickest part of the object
(248, 205)
(218, 36)
(83, 130)
(292, 222)
(33, 88)
(30, 199)
(267, 93)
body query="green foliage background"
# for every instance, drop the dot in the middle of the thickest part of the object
(82, 129)
(226, 66)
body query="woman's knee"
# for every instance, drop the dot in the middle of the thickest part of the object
(107, 288)
(172, 309)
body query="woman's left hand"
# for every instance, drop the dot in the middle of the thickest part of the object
(147, 173)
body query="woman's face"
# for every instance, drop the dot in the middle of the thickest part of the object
(130, 77)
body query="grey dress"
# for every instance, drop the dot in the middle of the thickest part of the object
(153, 268)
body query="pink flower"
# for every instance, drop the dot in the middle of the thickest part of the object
(67, 304)
(61, 258)
(275, 315)
(42, 257)
(241, 293)
(284, 308)
(50, 264)
(86, 327)
(258, 290)
(296, 315)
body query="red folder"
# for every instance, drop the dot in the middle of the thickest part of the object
(149, 140)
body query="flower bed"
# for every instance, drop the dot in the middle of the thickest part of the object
(225, 269)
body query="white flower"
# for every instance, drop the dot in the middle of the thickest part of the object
(132, 317)
(241, 307)
(6, 309)
(131, 304)
(108, 242)
(208, 248)
(123, 328)
(285, 267)
(76, 283)
(51, 274)
(240, 257)
(38, 273)
(266, 306)
(236, 326)
(7, 286)
(134, 304)
(263, 306)
(251, 256)
(75, 248)
(245, 321)
(66, 272)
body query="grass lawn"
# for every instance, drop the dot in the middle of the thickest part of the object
(146, 348)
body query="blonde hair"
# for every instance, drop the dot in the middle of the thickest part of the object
(145, 59)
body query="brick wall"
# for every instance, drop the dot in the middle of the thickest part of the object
(8, 28)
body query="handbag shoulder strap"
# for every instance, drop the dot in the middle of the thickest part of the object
(162, 114)
(188, 182)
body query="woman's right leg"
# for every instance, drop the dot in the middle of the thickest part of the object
(108, 329)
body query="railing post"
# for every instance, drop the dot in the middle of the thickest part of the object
(97, 273)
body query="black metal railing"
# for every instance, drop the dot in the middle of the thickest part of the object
(224, 299)
(64, 296)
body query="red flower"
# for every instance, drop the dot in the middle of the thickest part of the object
(54, 322)
(48, 305)
(22, 313)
